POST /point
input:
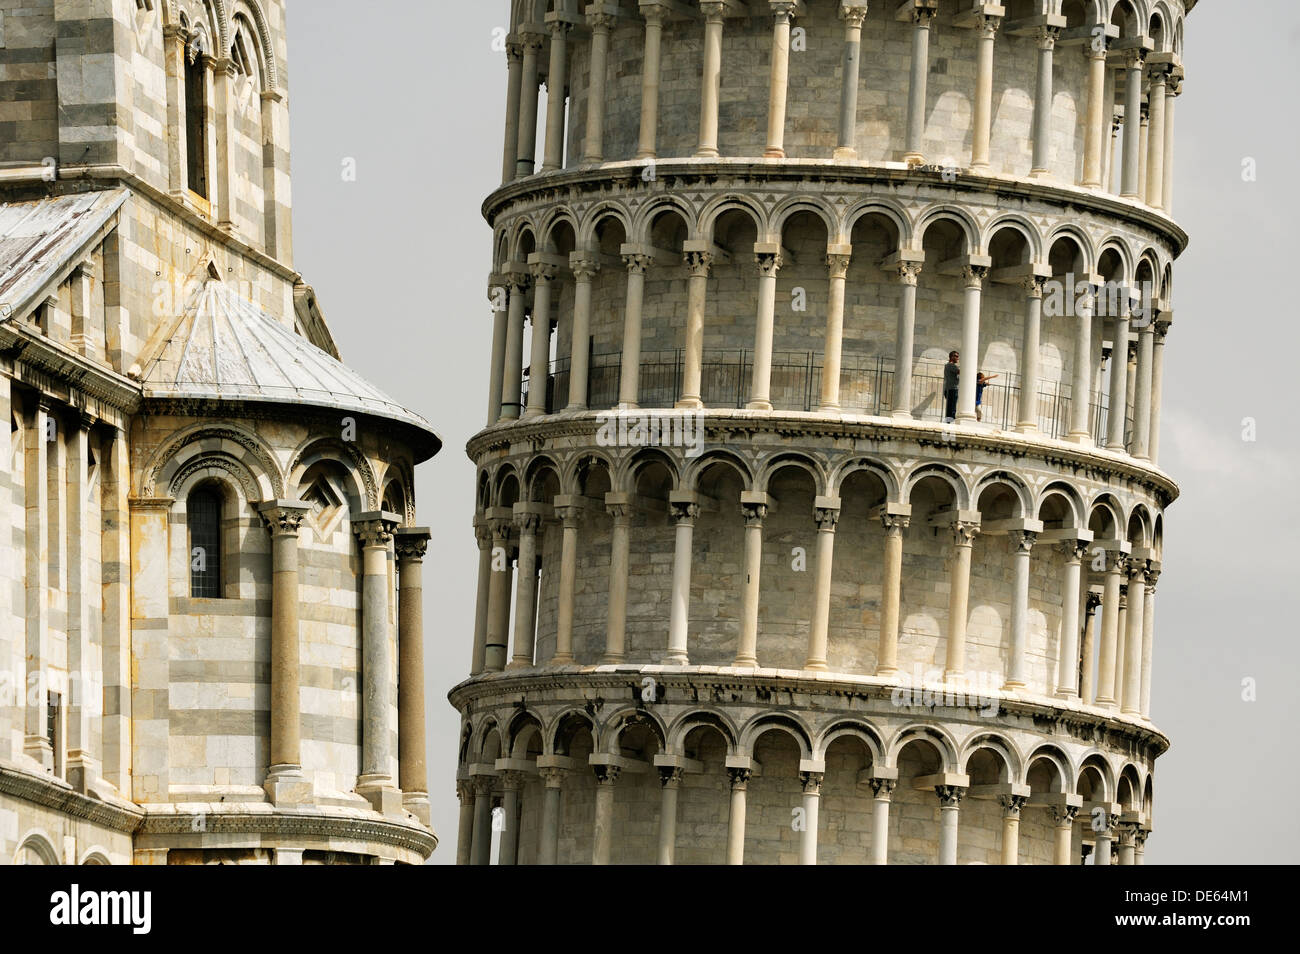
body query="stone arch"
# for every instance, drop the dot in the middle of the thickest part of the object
(856, 728)
(393, 492)
(599, 213)
(1095, 761)
(943, 212)
(219, 467)
(933, 735)
(793, 205)
(534, 472)
(645, 216)
(555, 218)
(623, 719)
(788, 722)
(1009, 480)
(41, 844)
(235, 441)
(626, 472)
(522, 728)
(1106, 506)
(95, 855)
(1128, 788)
(994, 742)
(853, 465)
(767, 467)
(961, 493)
(523, 240)
(345, 453)
(1160, 26)
(266, 49)
(571, 720)
(1139, 524)
(479, 734)
(1016, 222)
(581, 470)
(502, 478)
(180, 12)
(691, 476)
(883, 207)
(715, 208)
(1071, 496)
(697, 718)
(1081, 240)
(1060, 761)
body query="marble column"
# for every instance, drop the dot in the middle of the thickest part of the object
(1096, 132)
(1067, 672)
(916, 91)
(548, 847)
(602, 837)
(1139, 845)
(1155, 186)
(1142, 150)
(850, 76)
(284, 778)
(753, 508)
(1022, 542)
(1087, 652)
(557, 79)
(601, 22)
(1116, 563)
(655, 14)
(84, 696)
(619, 508)
(374, 531)
(511, 783)
(499, 594)
(697, 263)
(905, 344)
(768, 258)
(1117, 416)
(539, 370)
(670, 781)
(526, 153)
(711, 78)
(148, 548)
(778, 87)
(410, 546)
(569, 510)
(1011, 806)
(1148, 637)
(1042, 132)
(1134, 63)
(827, 515)
(465, 821)
(1161, 332)
(512, 370)
(812, 790)
(1063, 829)
(1173, 87)
(736, 817)
(891, 592)
(1081, 380)
(1142, 391)
(1104, 837)
(496, 373)
(838, 263)
(1131, 700)
(514, 77)
(527, 522)
(584, 270)
(683, 511)
(481, 843)
(973, 277)
(950, 797)
(882, 789)
(982, 124)
(964, 532)
(1028, 422)
(1126, 844)
(483, 534)
(630, 378)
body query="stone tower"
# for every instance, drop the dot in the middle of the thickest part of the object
(210, 613)
(761, 579)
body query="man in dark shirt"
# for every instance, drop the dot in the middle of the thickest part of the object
(950, 375)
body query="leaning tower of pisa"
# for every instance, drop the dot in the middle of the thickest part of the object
(754, 586)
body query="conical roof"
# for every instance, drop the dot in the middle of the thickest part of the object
(223, 347)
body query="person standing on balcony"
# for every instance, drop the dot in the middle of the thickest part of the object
(950, 374)
(981, 379)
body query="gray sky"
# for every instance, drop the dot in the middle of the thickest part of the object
(400, 259)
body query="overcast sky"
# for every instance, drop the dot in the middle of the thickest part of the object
(400, 259)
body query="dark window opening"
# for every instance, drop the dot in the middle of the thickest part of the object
(203, 515)
(196, 121)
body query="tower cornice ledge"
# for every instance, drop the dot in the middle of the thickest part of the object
(673, 174)
(732, 426)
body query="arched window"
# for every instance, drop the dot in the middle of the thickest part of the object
(203, 516)
(196, 116)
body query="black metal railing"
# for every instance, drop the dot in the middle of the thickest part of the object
(866, 387)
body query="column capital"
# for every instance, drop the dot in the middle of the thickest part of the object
(1075, 549)
(882, 788)
(753, 507)
(375, 528)
(283, 517)
(584, 266)
(768, 259)
(854, 15)
(698, 263)
(811, 782)
(1091, 602)
(908, 273)
(1034, 285)
(739, 777)
(973, 275)
(606, 773)
(1011, 804)
(464, 789)
(826, 514)
(670, 776)
(1023, 540)
(683, 507)
(569, 509)
(654, 12)
(988, 24)
(637, 262)
(964, 532)
(552, 775)
(1064, 815)
(950, 796)
(714, 10)
(838, 264)
(543, 271)
(601, 17)
(1153, 576)
(1046, 36)
(411, 544)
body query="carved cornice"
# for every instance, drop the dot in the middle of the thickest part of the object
(55, 794)
(294, 826)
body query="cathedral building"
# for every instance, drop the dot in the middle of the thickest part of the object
(819, 498)
(210, 563)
